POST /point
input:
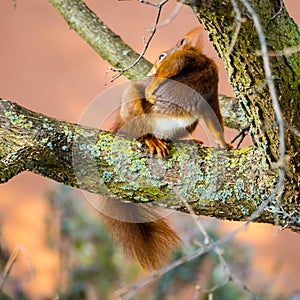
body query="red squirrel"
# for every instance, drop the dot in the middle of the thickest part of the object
(181, 87)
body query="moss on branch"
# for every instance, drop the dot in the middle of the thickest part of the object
(217, 183)
(224, 184)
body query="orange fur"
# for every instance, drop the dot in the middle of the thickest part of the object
(141, 233)
(182, 85)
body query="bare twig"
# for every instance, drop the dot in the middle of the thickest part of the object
(149, 3)
(238, 19)
(212, 289)
(229, 276)
(279, 11)
(129, 292)
(288, 217)
(11, 262)
(285, 52)
(207, 241)
(172, 15)
(293, 129)
(159, 7)
(241, 135)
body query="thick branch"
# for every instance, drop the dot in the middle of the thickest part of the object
(232, 112)
(102, 39)
(247, 76)
(216, 182)
(246, 70)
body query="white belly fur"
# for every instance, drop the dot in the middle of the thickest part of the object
(167, 126)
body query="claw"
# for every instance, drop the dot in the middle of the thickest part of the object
(196, 141)
(229, 146)
(156, 145)
(151, 99)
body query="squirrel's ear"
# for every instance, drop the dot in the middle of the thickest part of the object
(193, 38)
(183, 41)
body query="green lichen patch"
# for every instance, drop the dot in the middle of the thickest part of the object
(18, 119)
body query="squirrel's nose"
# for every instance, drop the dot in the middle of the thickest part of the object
(152, 71)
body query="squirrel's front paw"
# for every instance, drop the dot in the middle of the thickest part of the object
(156, 146)
(229, 146)
(151, 99)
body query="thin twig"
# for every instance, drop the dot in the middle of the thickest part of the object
(238, 20)
(207, 241)
(129, 292)
(149, 3)
(241, 134)
(214, 288)
(219, 251)
(172, 15)
(285, 52)
(288, 217)
(8, 267)
(11, 262)
(293, 129)
(159, 6)
(279, 11)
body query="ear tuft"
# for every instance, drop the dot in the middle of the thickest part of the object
(194, 38)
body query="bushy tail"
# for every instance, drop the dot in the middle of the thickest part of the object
(142, 234)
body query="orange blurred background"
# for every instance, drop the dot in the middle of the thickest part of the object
(47, 68)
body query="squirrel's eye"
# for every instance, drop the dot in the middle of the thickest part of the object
(161, 57)
(182, 42)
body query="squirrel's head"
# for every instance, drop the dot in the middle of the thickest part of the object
(191, 40)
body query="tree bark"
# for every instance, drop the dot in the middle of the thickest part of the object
(246, 71)
(219, 183)
(101, 38)
(225, 184)
(247, 76)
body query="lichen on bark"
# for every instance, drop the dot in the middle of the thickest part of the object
(223, 184)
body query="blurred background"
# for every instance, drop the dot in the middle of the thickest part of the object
(61, 244)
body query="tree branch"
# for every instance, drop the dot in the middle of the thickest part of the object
(101, 38)
(219, 183)
(147, 42)
(247, 76)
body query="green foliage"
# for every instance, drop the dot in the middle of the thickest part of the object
(179, 278)
(4, 296)
(87, 252)
(91, 267)
(3, 259)
(205, 272)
